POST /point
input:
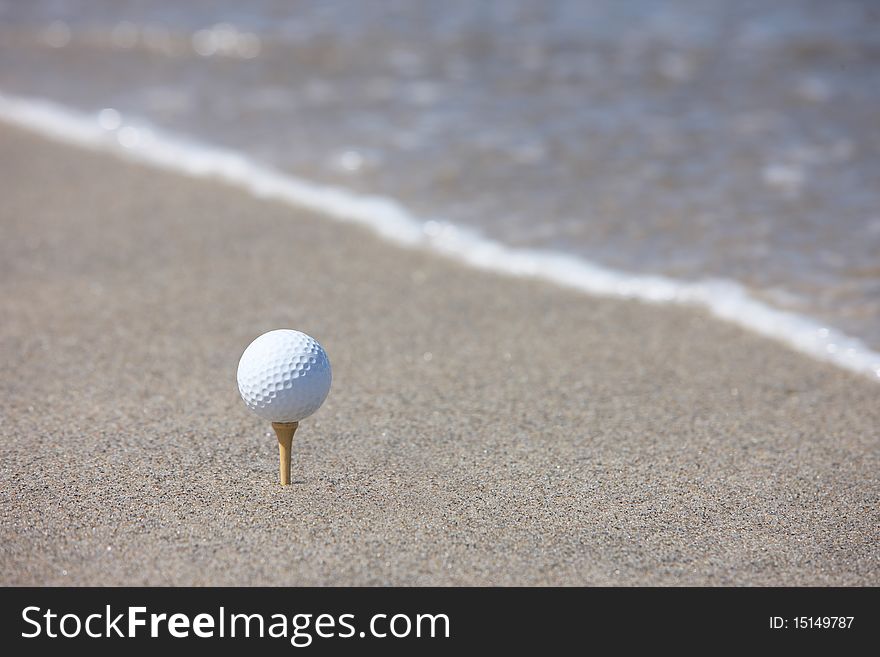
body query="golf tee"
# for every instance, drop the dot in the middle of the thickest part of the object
(284, 431)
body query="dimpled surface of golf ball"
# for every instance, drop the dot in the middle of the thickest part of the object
(284, 376)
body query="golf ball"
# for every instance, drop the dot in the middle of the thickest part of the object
(284, 376)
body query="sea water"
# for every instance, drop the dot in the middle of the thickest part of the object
(720, 153)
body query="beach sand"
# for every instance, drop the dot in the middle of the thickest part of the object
(481, 429)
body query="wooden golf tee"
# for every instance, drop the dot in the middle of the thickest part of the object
(284, 431)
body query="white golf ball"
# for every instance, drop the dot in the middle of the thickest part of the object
(284, 376)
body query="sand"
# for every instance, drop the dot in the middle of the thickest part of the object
(481, 430)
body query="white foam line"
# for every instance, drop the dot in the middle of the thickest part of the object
(724, 299)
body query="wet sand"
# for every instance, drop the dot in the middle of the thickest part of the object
(481, 430)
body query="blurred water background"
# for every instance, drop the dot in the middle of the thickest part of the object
(696, 139)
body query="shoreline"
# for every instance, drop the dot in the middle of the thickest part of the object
(726, 300)
(501, 431)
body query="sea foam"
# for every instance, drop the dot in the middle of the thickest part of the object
(388, 218)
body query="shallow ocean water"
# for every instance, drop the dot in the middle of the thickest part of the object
(693, 139)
